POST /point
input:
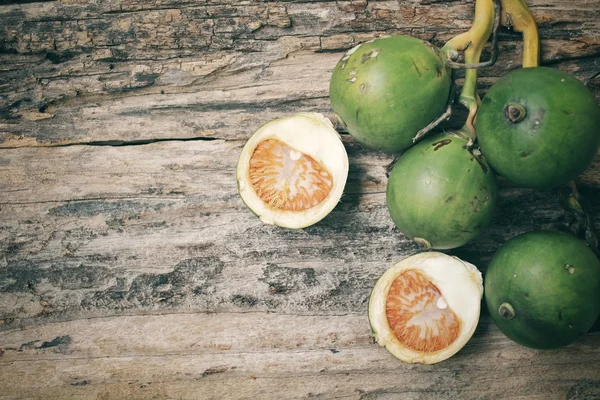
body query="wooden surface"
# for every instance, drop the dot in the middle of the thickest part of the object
(129, 266)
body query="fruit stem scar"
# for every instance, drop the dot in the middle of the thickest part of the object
(515, 113)
(506, 311)
(424, 243)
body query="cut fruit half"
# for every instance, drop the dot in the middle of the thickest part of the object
(425, 308)
(293, 170)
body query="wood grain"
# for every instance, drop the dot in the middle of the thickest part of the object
(137, 227)
(224, 355)
(130, 267)
(130, 71)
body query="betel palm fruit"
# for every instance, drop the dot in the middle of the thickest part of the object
(389, 90)
(425, 308)
(542, 289)
(441, 192)
(539, 127)
(293, 170)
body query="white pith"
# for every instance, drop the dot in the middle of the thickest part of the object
(306, 133)
(461, 288)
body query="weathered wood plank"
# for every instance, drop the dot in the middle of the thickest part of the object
(161, 226)
(75, 73)
(137, 272)
(187, 232)
(280, 356)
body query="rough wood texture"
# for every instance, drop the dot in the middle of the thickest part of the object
(127, 71)
(130, 267)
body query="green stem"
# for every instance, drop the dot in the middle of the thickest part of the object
(483, 21)
(516, 15)
(483, 26)
(472, 43)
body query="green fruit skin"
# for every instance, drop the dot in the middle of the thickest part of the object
(438, 191)
(385, 100)
(555, 142)
(553, 307)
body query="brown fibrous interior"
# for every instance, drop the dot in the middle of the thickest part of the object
(414, 314)
(287, 179)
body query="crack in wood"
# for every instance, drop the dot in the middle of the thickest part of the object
(118, 143)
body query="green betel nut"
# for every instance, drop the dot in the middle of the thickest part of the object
(543, 289)
(388, 89)
(539, 127)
